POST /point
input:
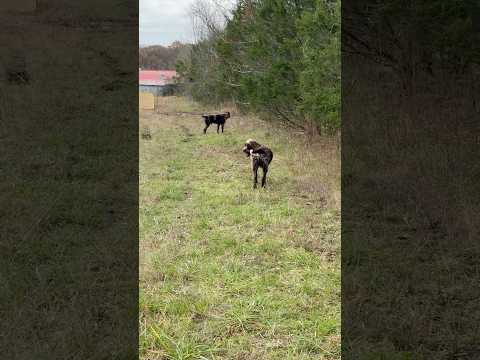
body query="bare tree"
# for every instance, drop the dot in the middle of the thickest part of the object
(209, 17)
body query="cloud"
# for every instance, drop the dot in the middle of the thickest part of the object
(164, 21)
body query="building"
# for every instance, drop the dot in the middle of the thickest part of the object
(157, 82)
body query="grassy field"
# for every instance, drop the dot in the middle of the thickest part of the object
(227, 272)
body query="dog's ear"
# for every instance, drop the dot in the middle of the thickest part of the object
(253, 144)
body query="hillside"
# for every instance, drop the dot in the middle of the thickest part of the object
(159, 57)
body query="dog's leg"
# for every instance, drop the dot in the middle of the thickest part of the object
(222, 127)
(206, 127)
(255, 175)
(264, 177)
(218, 128)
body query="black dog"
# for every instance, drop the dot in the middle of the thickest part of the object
(261, 157)
(218, 119)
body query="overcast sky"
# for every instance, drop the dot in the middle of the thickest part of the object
(164, 21)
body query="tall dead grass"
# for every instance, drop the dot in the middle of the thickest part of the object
(409, 199)
(317, 158)
(425, 146)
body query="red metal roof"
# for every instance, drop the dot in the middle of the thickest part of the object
(156, 77)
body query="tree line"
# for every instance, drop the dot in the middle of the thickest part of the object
(158, 57)
(277, 58)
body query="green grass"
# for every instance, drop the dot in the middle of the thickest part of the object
(227, 272)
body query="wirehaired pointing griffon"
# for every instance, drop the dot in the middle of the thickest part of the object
(261, 156)
(218, 119)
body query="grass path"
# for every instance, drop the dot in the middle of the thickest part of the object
(228, 272)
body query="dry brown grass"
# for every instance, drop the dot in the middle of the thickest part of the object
(69, 256)
(409, 200)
